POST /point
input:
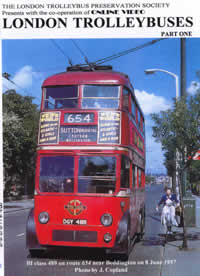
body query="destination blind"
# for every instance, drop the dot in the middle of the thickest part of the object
(108, 130)
(109, 127)
(78, 133)
(49, 126)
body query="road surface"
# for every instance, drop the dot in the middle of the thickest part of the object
(144, 258)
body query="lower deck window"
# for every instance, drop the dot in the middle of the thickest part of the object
(97, 174)
(133, 176)
(125, 166)
(140, 177)
(57, 174)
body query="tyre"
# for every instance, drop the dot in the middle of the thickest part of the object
(124, 256)
(141, 226)
(168, 220)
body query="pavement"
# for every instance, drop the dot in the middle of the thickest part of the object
(18, 205)
(197, 198)
(177, 261)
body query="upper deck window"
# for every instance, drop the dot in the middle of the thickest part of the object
(133, 107)
(139, 117)
(125, 99)
(143, 125)
(61, 97)
(100, 96)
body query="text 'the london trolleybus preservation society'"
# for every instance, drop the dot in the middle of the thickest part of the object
(90, 171)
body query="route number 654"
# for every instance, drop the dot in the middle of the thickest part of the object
(79, 118)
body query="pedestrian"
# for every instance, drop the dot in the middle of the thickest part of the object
(169, 201)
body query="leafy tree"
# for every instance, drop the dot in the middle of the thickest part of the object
(170, 164)
(177, 129)
(149, 179)
(20, 126)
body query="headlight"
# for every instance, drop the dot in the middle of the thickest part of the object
(106, 219)
(43, 217)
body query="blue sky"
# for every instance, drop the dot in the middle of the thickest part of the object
(29, 62)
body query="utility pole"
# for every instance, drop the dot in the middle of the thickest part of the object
(183, 94)
(183, 67)
(188, 202)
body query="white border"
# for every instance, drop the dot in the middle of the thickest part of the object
(1, 174)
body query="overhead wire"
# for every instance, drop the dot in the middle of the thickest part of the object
(15, 84)
(90, 64)
(99, 61)
(61, 50)
(26, 91)
(78, 48)
(106, 59)
(58, 47)
(128, 51)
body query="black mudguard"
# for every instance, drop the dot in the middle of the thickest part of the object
(31, 236)
(120, 245)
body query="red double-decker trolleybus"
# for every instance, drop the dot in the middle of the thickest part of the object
(90, 171)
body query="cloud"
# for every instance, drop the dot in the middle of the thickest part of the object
(7, 85)
(23, 79)
(150, 103)
(154, 153)
(194, 86)
(155, 158)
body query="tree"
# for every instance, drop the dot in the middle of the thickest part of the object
(178, 129)
(170, 164)
(149, 179)
(20, 127)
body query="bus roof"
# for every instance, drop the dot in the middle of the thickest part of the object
(92, 77)
(104, 77)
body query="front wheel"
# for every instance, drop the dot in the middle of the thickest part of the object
(125, 256)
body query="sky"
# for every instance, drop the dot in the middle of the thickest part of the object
(30, 61)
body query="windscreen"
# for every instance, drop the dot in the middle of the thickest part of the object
(97, 174)
(57, 174)
(61, 97)
(100, 96)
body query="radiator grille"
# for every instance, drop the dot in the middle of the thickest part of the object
(74, 236)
